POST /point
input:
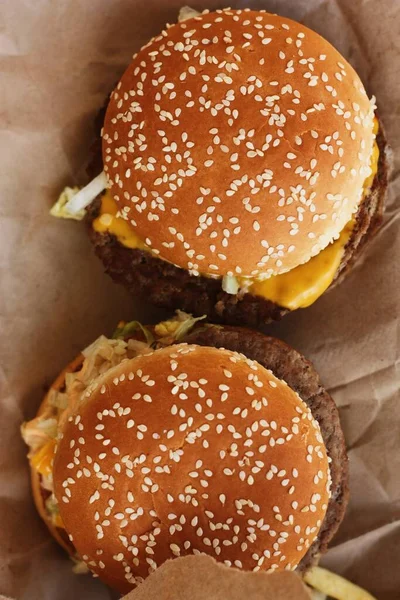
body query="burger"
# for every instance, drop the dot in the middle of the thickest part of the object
(240, 172)
(188, 438)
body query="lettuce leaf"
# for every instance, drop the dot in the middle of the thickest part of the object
(176, 328)
(38, 432)
(186, 12)
(124, 330)
(59, 210)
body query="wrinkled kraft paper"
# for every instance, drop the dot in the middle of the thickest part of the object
(58, 61)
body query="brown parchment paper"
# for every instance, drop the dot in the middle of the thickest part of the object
(212, 580)
(58, 61)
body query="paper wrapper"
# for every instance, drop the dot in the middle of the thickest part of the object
(58, 61)
(201, 577)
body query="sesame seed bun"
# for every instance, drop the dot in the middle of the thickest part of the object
(238, 142)
(190, 449)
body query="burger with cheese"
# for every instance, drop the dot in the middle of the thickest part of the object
(187, 438)
(243, 168)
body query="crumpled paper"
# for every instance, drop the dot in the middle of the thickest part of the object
(58, 61)
(200, 577)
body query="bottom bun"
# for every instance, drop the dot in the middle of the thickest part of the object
(40, 495)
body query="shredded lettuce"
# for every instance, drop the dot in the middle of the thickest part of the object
(105, 348)
(80, 567)
(186, 12)
(38, 432)
(98, 358)
(87, 194)
(176, 328)
(59, 209)
(136, 347)
(57, 399)
(230, 284)
(47, 482)
(52, 506)
(72, 202)
(165, 332)
(124, 330)
(186, 324)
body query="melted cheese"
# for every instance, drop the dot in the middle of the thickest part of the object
(57, 521)
(110, 221)
(42, 460)
(297, 288)
(303, 285)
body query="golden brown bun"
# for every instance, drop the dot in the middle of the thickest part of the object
(238, 142)
(190, 449)
(58, 534)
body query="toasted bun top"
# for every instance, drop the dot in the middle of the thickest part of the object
(237, 142)
(190, 449)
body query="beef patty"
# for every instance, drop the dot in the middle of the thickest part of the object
(289, 365)
(171, 287)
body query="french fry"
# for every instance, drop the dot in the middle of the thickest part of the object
(316, 595)
(334, 585)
